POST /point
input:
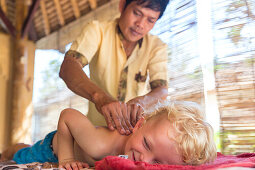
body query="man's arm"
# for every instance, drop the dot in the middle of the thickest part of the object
(157, 69)
(77, 81)
(158, 92)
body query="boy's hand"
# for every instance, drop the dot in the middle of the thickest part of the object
(73, 165)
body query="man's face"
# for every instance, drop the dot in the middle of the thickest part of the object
(152, 143)
(136, 21)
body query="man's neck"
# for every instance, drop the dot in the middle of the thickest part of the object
(128, 46)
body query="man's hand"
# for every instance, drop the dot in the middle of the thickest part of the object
(72, 165)
(117, 116)
(135, 110)
(114, 112)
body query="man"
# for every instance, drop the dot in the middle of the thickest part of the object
(124, 60)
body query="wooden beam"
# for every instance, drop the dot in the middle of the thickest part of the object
(59, 13)
(21, 11)
(27, 24)
(76, 10)
(10, 28)
(3, 5)
(45, 18)
(32, 35)
(93, 4)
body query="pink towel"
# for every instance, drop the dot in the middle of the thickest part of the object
(222, 161)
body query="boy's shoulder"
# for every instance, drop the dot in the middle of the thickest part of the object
(107, 143)
(112, 142)
(109, 138)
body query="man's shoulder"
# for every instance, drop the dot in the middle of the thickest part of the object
(103, 25)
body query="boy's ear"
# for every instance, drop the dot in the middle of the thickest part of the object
(122, 5)
(139, 124)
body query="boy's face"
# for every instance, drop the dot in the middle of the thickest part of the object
(136, 21)
(152, 143)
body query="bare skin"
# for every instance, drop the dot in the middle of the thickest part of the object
(88, 143)
(135, 22)
(10, 151)
(78, 148)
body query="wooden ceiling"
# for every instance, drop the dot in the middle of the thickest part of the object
(43, 16)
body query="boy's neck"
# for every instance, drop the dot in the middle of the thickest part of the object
(120, 144)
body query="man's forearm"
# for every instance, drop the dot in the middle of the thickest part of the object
(153, 97)
(141, 104)
(77, 81)
(75, 78)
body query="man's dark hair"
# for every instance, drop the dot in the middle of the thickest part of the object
(156, 5)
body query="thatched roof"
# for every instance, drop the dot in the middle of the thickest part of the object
(43, 16)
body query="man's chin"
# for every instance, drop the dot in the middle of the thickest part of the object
(134, 40)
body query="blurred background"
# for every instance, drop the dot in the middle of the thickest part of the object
(211, 61)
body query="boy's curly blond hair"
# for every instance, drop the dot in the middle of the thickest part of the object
(194, 134)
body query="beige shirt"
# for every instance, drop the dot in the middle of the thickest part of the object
(100, 43)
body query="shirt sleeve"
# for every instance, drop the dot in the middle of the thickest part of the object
(158, 62)
(89, 41)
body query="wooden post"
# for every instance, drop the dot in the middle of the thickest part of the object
(22, 75)
(5, 89)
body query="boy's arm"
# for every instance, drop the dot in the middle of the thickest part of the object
(73, 125)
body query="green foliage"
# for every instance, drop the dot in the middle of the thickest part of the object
(250, 61)
(238, 6)
(235, 5)
(217, 140)
(51, 80)
(169, 52)
(219, 67)
(233, 138)
(235, 33)
(197, 74)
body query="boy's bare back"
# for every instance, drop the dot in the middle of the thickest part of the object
(98, 142)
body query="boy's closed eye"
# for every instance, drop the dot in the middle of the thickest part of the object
(145, 143)
(147, 147)
(156, 161)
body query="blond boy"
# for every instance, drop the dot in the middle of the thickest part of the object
(174, 133)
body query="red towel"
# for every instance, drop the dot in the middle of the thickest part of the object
(222, 161)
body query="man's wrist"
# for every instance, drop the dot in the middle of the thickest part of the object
(138, 100)
(100, 98)
(142, 100)
(94, 97)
